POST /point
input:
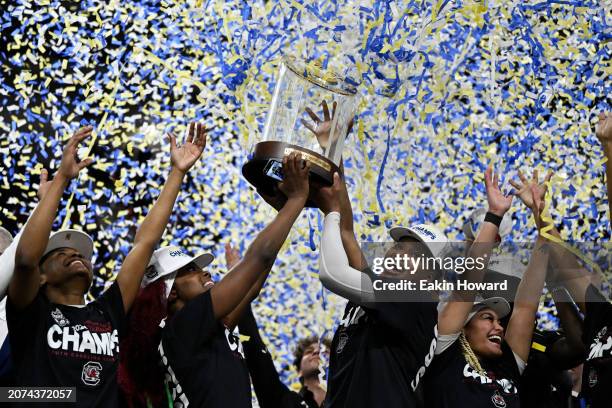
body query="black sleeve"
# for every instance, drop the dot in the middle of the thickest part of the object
(111, 302)
(23, 323)
(191, 326)
(598, 314)
(269, 389)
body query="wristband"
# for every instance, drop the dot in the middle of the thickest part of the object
(493, 219)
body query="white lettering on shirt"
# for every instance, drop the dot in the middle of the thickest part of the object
(233, 342)
(600, 345)
(54, 344)
(178, 396)
(83, 341)
(430, 355)
(506, 385)
(352, 317)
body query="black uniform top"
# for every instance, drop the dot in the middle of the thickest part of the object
(203, 360)
(546, 382)
(270, 390)
(56, 345)
(379, 354)
(451, 382)
(597, 335)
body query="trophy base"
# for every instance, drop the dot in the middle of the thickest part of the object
(262, 172)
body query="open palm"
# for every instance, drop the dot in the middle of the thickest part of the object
(499, 203)
(183, 157)
(44, 185)
(321, 128)
(526, 189)
(232, 256)
(70, 165)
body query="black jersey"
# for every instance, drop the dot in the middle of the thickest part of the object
(597, 335)
(56, 345)
(451, 382)
(379, 354)
(204, 362)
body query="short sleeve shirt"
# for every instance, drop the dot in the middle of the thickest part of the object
(204, 361)
(597, 335)
(451, 382)
(60, 345)
(379, 354)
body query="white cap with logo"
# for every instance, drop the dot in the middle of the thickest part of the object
(167, 261)
(431, 236)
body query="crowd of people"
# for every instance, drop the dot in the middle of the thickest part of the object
(165, 333)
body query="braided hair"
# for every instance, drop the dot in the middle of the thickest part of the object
(469, 355)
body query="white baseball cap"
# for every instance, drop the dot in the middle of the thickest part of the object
(475, 220)
(498, 304)
(71, 238)
(432, 237)
(168, 260)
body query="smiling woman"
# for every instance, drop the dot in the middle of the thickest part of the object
(477, 361)
(78, 345)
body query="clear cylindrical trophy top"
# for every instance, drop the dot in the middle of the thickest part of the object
(311, 108)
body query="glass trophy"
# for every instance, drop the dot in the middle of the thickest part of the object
(311, 113)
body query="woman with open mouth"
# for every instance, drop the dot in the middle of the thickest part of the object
(56, 339)
(477, 362)
(202, 359)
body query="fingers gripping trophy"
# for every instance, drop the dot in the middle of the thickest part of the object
(311, 114)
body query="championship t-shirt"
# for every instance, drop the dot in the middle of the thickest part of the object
(73, 346)
(450, 382)
(597, 335)
(379, 354)
(204, 361)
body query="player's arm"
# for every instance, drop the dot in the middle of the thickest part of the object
(261, 254)
(266, 381)
(150, 231)
(335, 270)
(232, 257)
(520, 327)
(347, 231)
(567, 271)
(7, 259)
(25, 281)
(604, 134)
(451, 317)
(569, 350)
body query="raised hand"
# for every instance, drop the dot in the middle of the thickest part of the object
(71, 165)
(525, 187)
(295, 184)
(603, 130)
(537, 204)
(184, 156)
(499, 203)
(232, 256)
(44, 184)
(328, 198)
(321, 128)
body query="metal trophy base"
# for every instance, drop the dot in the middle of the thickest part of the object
(321, 170)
